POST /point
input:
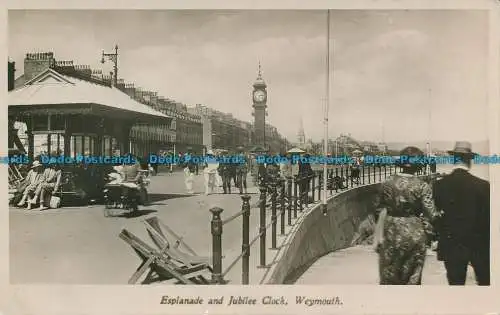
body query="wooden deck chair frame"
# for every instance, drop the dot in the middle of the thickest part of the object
(158, 263)
(156, 229)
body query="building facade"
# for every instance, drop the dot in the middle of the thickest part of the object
(195, 129)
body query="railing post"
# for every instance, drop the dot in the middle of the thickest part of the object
(320, 184)
(369, 175)
(385, 171)
(300, 192)
(245, 247)
(262, 227)
(363, 174)
(282, 206)
(374, 173)
(342, 175)
(295, 197)
(380, 172)
(216, 225)
(274, 217)
(313, 189)
(290, 199)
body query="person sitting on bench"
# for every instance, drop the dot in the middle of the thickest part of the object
(30, 184)
(131, 178)
(49, 184)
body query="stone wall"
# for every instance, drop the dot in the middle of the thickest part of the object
(319, 234)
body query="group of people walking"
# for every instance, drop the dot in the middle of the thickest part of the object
(218, 170)
(455, 209)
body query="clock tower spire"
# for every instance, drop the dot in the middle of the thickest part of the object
(259, 97)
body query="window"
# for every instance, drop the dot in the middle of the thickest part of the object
(40, 123)
(57, 122)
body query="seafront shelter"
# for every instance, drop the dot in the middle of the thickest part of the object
(76, 114)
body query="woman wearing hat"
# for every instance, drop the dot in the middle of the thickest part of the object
(406, 204)
(210, 172)
(32, 181)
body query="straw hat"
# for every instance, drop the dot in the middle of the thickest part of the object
(463, 148)
(36, 164)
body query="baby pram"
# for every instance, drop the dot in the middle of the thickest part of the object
(120, 195)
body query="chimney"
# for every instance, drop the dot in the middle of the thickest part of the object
(120, 84)
(139, 95)
(11, 75)
(130, 90)
(84, 70)
(154, 100)
(36, 63)
(97, 74)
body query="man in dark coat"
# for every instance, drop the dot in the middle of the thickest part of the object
(225, 171)
(305, 170)
(464, 229)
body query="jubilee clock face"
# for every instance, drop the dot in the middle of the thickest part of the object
(259, 96)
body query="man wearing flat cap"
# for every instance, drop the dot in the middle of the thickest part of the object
(464, 229)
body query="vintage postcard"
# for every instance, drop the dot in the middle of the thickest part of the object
(234, 158)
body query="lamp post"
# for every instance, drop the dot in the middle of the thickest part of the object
(113, 57)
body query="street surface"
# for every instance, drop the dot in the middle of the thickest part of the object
(81, 246)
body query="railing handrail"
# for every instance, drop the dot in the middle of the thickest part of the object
(289, 199)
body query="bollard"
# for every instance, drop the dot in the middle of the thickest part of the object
(295, 197)
(290, 199)
(262, 227)
(274, 217)
(245, 247)
(282, 205)
(216, 245)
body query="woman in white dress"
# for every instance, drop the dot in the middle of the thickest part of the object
(210, 172)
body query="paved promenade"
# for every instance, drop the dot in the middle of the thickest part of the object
(358, 265)
(81, 246)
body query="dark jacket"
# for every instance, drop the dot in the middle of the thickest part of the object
(465, 201)
(305, 169)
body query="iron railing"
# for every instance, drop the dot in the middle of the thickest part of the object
(289, 197)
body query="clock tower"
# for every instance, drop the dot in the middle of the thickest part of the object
(259, 97)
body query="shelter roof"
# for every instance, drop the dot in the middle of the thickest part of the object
(53, 88)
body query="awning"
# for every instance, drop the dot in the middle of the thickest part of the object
(51, 88)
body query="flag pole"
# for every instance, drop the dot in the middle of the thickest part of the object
(327, 105)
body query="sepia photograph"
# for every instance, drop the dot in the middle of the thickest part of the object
(249, 147)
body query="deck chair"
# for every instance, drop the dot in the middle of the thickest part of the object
(160, 265)
(163, 237)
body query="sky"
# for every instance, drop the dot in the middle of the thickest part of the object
(397, 76)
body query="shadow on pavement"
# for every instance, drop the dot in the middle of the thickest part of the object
(136, 214)
(162, 197)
